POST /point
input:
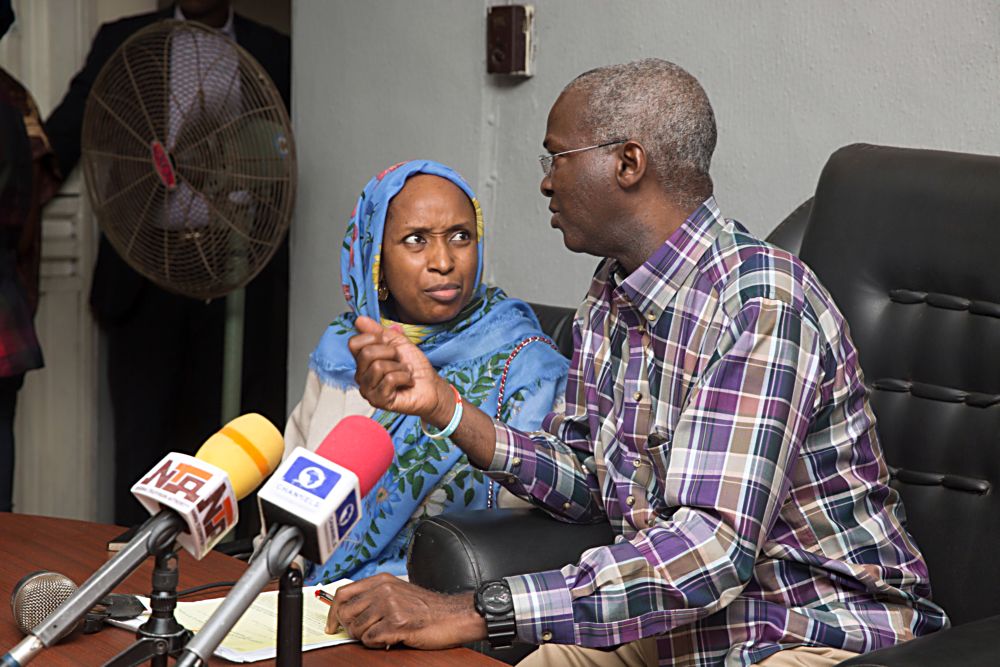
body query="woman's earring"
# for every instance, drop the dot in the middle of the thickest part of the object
(383, 291)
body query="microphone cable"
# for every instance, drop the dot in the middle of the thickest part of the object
(204, 587)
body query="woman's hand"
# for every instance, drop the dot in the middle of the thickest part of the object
(393, 374)
(382, 610)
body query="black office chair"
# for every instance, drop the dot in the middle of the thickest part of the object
(908, 243)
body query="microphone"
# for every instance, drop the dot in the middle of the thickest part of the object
(311, 503)
(193, 499)
(203, 489)
(36, 596)
(40, 593)
(320, 492)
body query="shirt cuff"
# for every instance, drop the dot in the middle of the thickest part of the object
(543, 608)
(513, 458)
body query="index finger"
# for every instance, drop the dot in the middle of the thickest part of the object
(355, 588)
(346, 594)
(360, 341)
(366, 324)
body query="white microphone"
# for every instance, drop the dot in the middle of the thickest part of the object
(320, 492)
(311, 503)
(193, 499)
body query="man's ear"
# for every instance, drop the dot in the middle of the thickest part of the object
(632, 164)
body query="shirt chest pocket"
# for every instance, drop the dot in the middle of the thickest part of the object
(656, 459)
(639, 487)
(658, 447)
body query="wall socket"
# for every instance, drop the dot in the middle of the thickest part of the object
(508, 39)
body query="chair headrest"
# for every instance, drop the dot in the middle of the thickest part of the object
(907, 218)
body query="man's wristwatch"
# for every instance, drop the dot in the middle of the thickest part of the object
(495, 603)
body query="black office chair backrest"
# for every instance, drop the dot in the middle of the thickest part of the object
(908, 243)
(557, 322)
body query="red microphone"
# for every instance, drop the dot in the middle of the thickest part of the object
(361, 445)
(309, 505)
(320, 492)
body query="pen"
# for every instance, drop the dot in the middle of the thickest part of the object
(327, 599)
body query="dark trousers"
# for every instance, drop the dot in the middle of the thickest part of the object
(9, 387)
(165, 373)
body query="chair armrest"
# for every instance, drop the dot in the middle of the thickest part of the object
(970, 645)
(457, 552)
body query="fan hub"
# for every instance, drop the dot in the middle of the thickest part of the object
(163, 165)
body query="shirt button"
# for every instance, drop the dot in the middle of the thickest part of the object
(547, 636)
(637, 462)
(651, 316)
(566, 506)
(630, 501)
(515, 462)
(637, 395)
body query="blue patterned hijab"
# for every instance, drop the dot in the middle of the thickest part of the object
(429, 476)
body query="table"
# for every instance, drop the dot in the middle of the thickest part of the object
(77, 548)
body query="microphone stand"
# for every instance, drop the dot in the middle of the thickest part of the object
(275, 559)
(290, 619)
(161, 635)
(157, 534)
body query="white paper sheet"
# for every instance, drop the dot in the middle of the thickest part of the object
(254, 637)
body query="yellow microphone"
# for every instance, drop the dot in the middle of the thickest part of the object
(248, 448)
(203, 489)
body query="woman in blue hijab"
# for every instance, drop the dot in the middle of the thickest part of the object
(412, 258)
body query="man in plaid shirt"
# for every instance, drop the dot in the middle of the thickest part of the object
(716, 416)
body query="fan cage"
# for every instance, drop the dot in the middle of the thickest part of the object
(189, 159)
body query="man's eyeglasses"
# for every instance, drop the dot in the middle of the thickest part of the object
(547, 159)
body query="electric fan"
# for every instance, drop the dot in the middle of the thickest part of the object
(189, 162)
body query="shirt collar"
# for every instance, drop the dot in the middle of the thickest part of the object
(652, 286)
(227, 28)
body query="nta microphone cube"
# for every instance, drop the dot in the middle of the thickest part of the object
(199, 492)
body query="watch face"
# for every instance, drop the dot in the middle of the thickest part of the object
(496, 599)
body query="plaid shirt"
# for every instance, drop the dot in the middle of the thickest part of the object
(717, 417)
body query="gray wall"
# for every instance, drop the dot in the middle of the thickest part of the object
(791, 80)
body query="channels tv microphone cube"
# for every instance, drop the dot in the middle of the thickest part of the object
(318, 496)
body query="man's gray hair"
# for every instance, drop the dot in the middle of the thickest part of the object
(665, 109)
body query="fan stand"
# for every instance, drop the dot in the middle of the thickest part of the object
(232, 354)
(232, 345)
(219, 135)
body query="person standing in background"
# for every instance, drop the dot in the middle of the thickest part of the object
(165, 351)
(28, 178)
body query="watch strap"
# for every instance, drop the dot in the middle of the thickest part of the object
(500, 628)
